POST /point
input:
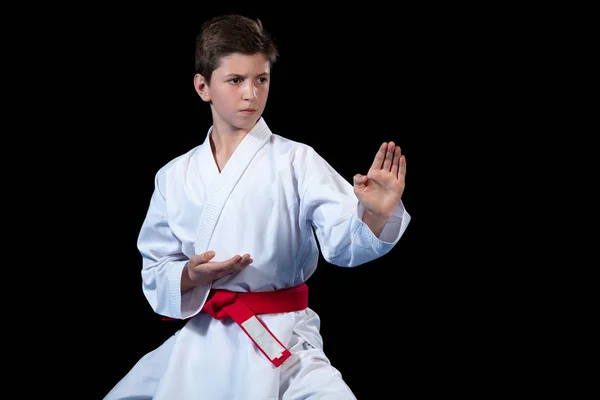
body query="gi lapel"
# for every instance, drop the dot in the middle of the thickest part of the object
(224, 183)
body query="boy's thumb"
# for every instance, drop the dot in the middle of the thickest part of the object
(208, 255)
(359, 179)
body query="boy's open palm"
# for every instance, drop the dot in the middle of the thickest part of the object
(203, 271)
(381, 189)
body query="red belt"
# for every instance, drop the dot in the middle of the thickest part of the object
(243, 307)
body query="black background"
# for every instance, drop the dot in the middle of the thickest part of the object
(347, 79)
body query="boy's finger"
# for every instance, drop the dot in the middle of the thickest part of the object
(208, 256)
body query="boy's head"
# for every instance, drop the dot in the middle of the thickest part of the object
(229, 34)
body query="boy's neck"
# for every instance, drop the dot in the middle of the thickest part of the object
(225, 142)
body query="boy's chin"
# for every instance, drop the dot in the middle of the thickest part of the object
(248, 122)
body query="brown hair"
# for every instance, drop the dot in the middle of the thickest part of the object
(227, 34)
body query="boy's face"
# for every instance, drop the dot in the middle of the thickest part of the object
(238, 90)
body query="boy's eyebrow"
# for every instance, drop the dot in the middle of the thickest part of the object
(233, 75)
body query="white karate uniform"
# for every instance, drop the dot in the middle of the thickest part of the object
(266, 202)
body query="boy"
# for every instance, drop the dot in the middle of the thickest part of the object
(228, 240)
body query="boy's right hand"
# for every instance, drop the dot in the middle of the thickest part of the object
(199, 270)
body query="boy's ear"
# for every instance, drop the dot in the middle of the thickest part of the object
(201, 86)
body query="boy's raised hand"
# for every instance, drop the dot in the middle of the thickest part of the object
(380, 191)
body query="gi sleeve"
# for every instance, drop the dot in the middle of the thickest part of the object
(163, 261)
(328, 202)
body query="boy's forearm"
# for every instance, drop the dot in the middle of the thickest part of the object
(186, 282)
(376, 224)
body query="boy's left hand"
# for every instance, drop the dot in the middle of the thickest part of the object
(381, 189)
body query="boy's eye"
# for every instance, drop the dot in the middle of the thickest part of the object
(235, 81)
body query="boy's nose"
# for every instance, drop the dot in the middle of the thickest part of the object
(250, 91)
